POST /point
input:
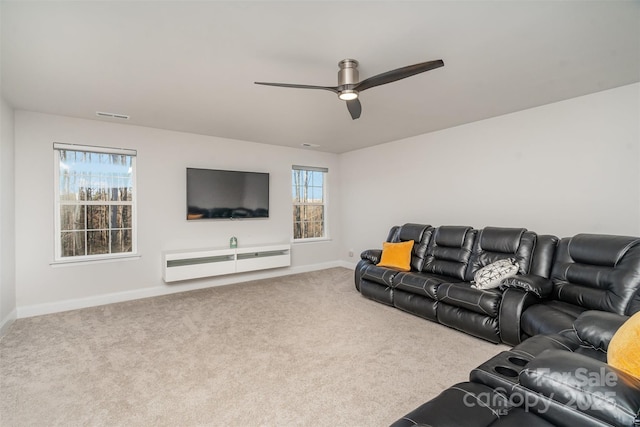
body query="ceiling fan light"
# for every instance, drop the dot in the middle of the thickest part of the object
(348, 95)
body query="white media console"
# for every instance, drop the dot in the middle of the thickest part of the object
(196, 263)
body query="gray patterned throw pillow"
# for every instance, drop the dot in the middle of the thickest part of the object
(490, 276)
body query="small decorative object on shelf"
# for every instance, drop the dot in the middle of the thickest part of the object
(233, 242)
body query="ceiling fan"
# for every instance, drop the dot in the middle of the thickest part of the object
(348, 86)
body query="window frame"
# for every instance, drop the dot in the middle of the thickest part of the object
(58, 258)
(324, 204)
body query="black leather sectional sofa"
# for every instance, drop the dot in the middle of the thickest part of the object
(557, 279)
(559, 312)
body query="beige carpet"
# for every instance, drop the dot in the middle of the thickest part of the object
(300, 350)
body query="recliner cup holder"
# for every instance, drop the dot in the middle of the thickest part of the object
(518, 361)
(502, 370)
(507, 372)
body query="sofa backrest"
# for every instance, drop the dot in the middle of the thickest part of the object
(598, 272)
(420, 234)
(496, 243)
(393, 234)
(543, 254)
(449, 251)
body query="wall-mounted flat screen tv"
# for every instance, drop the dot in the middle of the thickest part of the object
(223, 194)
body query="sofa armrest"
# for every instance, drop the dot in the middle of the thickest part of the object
(360, 268)
(373, 255)
(529, 283)
(596, 328)
(514, 302)
(574, 385)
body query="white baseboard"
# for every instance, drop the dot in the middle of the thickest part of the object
(349, 265)
(7, 321)
(166, 289)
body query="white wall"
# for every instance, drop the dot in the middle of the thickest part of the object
(7, 220)
(563, 168)
(7, 216)
(163, 157)
(560, 169)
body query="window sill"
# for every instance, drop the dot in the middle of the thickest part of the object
(78, 262)
(312, 240)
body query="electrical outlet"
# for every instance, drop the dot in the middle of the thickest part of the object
(350, 252)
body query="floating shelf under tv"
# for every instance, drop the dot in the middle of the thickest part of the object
(199, 263)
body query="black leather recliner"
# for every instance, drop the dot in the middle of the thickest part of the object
(446, 260)
(375, 282)
(590, 272)
(559, 380)
(477, 311)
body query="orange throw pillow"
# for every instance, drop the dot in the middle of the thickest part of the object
(624, 349)
(396, 255)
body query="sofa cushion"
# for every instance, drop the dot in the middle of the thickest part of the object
(535, 345)
(396, 255)
(451, 236)
(483, 301)
(449, 251)
(419, 283)
(497, 243)
(598, 272)
(567, 341)
(490, 276)
(624, 348)
(595, 249)
(379, 275)
(420, 234)
(503, 240)
(549, 318)
(596, 328)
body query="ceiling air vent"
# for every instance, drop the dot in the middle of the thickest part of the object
(309, 145)
(112, 115)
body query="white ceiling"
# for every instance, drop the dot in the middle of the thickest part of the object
(190, 66)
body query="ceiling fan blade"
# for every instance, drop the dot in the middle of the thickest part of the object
(355, 108)
(398, 74)
(332, 89)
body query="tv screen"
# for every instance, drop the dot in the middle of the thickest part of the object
(219, 194)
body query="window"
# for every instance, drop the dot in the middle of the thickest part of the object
(309, 201)
(95, 202)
